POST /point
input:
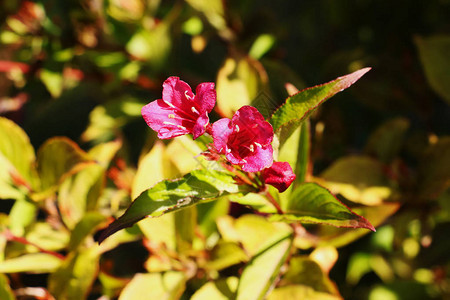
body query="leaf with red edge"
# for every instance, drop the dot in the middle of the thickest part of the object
(312, 203)
(300, 106)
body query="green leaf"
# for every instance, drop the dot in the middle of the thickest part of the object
(57, 157)
(339, 237)
(300, 106)
(222, 289)
(294, 292)
(80, 192)
(47, 237)
(257, 234)
(261, 45)
(185, 225)
(224, 255)
(31, 263)
(311, 203)
(213, 10)
(16, 156)
(305, 271)
(295, 151)
(209, 212)
(256, 201)
(105, 152)
(111, 285)
(169, 286)
(385, 142)
(151, 169)
(261, 272)
(166, 196)
(151, 45)
(22, 214)
(434, 171)
(160, 231)
(239, 81)
(433, 53)
(53, 81)
(84, 228)
(76, 275)
(5, 290)
(360, 179)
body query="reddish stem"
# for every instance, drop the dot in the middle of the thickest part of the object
(11, 237)
(274, 202)
(237, 173)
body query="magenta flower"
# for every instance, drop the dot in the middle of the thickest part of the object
(280, 175)
(245, 139)
(179, 111)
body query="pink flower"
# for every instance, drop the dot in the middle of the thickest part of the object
(245, 139)
(179, 111)
(280, 175)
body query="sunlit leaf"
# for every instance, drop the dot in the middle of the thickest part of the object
(299, 106)
(84, 228)
(47, 237)
(22, 214)
(257, 234)
(53, 81)
(16, 156)
(223, 289)
(294, 292)
(261, 272)
(75, 276)
(151, 45)
(31, 263)
(166, 196)
(305, 271)
(433, 53)
(261, 45)
(105, 152)
(105, 120)
(151, 169)
(225, 254)
(56, 158)
(295, 151)
(213, 11)
(80, 192)
(311, 203)
(169, 285)
(239, 82)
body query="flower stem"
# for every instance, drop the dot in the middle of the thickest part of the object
(238, 174)
(273, 202)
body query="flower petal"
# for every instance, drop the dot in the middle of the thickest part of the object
(200, 126)
(175, 92)
(248, 117)
(261, 158)
(221, 131)
(205, 96)
(163, 119)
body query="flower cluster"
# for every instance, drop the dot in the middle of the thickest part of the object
(245, 139)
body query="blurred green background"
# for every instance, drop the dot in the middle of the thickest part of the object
(84, 69)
